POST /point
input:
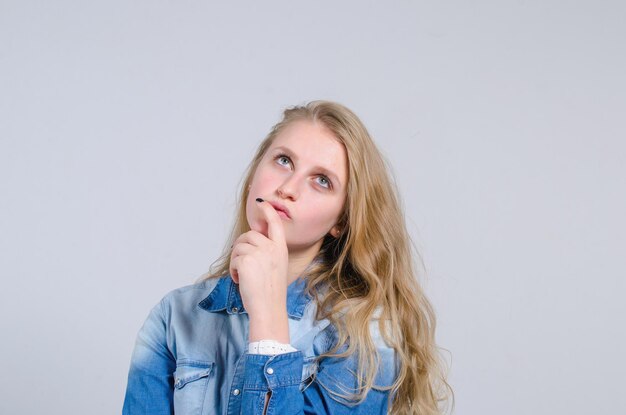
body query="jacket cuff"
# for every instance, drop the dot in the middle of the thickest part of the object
(265, 372)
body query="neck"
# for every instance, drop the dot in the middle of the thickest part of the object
(299, 260)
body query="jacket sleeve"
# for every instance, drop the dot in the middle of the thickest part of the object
(150, 377)
(280, 376)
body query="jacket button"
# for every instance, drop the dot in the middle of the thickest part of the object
(270, 371)
(234, 309)
(236, 392)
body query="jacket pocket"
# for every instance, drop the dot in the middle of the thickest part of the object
(191, 380)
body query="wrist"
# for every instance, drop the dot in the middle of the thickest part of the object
(275, 327)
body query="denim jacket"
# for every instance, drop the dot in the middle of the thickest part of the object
(191, 358)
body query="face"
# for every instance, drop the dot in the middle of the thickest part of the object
(306, 171)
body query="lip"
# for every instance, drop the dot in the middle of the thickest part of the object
(282, 208)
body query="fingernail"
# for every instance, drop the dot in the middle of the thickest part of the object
(258, 199)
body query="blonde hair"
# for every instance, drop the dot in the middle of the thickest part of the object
(367, 272)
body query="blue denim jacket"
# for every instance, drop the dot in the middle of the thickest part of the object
(190, 358)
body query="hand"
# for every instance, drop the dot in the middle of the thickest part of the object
(258, 263)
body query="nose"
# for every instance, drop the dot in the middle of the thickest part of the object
(289, 188)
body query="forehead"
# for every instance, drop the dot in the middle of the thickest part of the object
(313, 144)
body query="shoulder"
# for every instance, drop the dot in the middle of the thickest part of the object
(338, 374)
(385, 351)
(178, 323)
(176, 303)
(330, 335)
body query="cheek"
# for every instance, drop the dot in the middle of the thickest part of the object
(319, 221)
(253, 216)
(260, 187)
(249, 210)
(263, 182)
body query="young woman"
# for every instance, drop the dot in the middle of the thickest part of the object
(314, 307)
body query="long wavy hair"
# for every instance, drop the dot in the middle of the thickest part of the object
(367, 272)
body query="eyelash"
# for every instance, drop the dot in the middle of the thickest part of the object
(330, 185)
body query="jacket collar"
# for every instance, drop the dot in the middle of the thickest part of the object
(225, 297)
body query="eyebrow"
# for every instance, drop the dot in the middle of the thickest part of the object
(324, 170)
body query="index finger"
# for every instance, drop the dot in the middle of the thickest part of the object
(275, 230)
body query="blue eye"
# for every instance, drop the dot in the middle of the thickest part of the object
(283, 157)
(326, 182)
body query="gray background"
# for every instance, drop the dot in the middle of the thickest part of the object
(126, 125)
